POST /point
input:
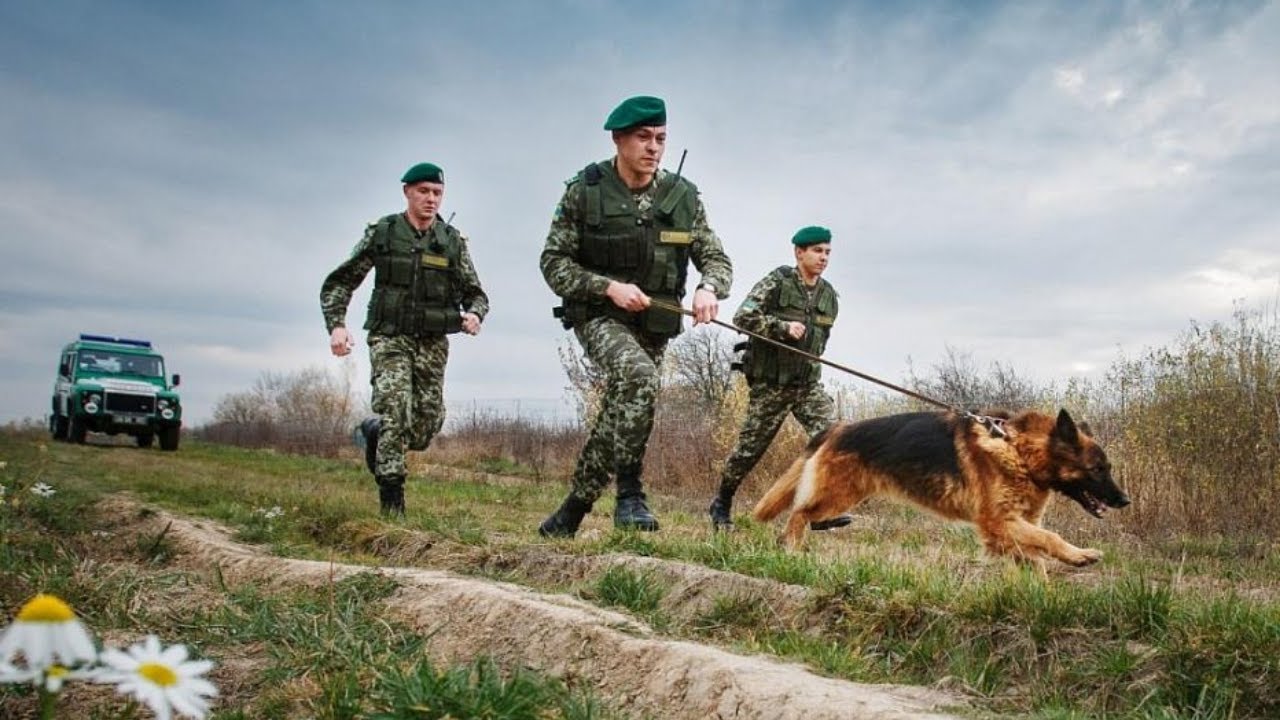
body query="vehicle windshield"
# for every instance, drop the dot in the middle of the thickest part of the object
(105, 361)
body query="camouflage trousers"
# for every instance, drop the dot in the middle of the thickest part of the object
(767, 408)
(408, 394)
(630, 360)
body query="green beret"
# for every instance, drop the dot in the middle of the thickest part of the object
(639, 110)
(811, 235)
(423, 171)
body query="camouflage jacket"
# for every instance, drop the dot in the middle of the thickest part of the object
(568, 278)
(335, 293)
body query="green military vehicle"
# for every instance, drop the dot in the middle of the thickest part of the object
(115, 386)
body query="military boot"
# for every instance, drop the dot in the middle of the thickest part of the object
(369, 429)
(391, 495)
(838, 521)
(632, 513)
(564, 522)
(721, 513)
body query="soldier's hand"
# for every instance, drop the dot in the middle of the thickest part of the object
(627, 296)
(340, 341)
(795, 330)
(471, 323)
(705, 306)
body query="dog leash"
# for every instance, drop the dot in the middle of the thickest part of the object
(994, 425)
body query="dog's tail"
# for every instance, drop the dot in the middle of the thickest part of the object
(782, 494)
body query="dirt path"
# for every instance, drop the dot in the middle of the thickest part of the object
(615, 655)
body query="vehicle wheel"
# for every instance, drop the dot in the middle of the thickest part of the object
(76, 430)
(169, 438)
(59, 427)
(145, 439)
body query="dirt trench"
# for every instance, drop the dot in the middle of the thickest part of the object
(616, 656)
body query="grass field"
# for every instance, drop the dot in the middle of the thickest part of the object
(1184, 629)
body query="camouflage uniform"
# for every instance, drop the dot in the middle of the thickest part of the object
(770, 401)
(407, 369)
(767, 409)
(629, 355)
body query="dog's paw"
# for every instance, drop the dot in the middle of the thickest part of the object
(1086, 557)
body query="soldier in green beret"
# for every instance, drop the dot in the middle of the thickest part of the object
(424, 288)
(797, 306)
(625, 232)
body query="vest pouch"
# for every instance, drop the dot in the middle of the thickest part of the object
(664, 272)
(826, 310)
(437, 321)
(436, 284)
(384, 310)
(596, 252)
(400, 270)
(626, 252)
(664, 323)
(792, 301)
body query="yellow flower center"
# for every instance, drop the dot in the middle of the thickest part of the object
(159, 674)
(46, 608)
(57, 671)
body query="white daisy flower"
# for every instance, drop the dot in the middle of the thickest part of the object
(3, 490)
(51, 679)
(160, 678)
(4, 464)
(46, 632)
(44, 490)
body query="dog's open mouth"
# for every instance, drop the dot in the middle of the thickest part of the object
(1091, 504)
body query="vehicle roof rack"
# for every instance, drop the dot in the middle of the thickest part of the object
(119, 341)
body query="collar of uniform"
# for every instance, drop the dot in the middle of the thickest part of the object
(800, 279)
(648, 187)
(419, 234)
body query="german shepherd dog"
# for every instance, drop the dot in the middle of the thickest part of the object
(959, 468)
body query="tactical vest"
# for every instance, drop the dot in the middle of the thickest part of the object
(790, 301)
(415, 285)
(648, 249)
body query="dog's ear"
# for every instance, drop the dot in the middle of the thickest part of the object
(1066, 429)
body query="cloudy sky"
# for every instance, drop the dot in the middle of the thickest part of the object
(1042, 184)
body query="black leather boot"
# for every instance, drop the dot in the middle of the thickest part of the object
(564, 522)
(391, 495)
(838, 521)
(721, 513)
(370, 428)
(631, 512)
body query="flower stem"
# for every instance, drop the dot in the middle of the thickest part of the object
(47, 701)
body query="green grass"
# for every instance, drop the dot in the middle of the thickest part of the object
(327, 653)
(1154, 632)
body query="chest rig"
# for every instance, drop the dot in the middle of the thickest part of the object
(647, 247)
(415, 285)
(792, 301)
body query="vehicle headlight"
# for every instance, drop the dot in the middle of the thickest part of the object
(162, 403)
(92, 402)
(167, 414)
